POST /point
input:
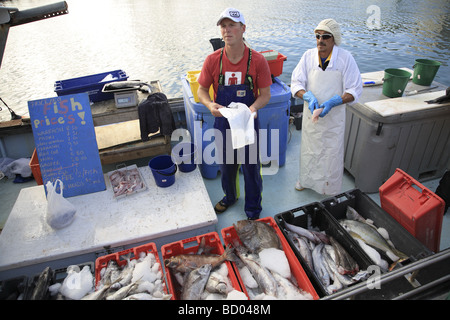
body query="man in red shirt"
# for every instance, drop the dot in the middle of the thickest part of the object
(238, 74)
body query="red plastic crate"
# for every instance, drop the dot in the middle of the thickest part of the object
(416, 208)
(35, 168)
(276, 65)
(102, 262)
(229, 235)
(190, 246)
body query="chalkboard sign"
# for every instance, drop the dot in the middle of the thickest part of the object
(65, 141)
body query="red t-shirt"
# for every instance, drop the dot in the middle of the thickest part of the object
(235, 73)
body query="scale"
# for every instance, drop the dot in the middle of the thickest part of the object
(125, 96)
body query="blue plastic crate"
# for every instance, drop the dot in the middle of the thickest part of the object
(92, 85)
(275, 115)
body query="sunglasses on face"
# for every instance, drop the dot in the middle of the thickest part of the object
(325, 36)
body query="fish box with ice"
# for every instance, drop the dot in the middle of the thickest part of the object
(401, 239)
(230, 235)
(192, 260)
(308, 230)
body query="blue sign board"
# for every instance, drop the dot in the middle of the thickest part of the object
(65, 141)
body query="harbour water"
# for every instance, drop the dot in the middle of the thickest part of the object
(163, 39)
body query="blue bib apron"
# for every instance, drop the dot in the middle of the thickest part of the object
(251, 166)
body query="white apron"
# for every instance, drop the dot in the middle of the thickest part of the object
(322, 147)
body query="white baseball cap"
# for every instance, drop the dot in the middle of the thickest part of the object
(232, 14)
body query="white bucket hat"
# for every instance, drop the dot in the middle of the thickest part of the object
(232, 14)
(331, 26)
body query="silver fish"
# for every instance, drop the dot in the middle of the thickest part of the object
(262, 276)
(287, 290)
(122, 292)
(352, 214)
(100, 294)
(195, 283)
(372, 237)
(257, 235)
(345, 263)
(302, 232)
(305, 252)
(319, 266)
(216, 284)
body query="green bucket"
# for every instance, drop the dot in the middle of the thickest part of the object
(424, 71)
(395, 81)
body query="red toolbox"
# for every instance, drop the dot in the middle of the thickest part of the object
(102, 262)
(229, 235)
(416, 208)
(191, 246)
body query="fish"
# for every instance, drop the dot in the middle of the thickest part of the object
(257, 235)
(111, 273)
(122, 292)
(319, 266)
(216, 284)
(311, 235)
(41, 286)
(372, 237)
(305, 252)
(131, 84)
(262, 276)
(287, 290)
(187, 262)
(195, 282)
(330, 256)
(100, 294)
(345, 263)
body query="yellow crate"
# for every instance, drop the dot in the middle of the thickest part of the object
(192, 78)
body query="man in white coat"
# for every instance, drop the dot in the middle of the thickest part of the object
(326, 78)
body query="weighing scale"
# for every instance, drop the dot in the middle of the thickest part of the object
(126, 96)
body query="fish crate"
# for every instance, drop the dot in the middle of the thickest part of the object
(35, 168)
(315, 216)
(92, 85)
(275, 64)
(229, 236)
(14, 288)
(415, 207)
(191, 245)
(120, 258)
(367, 208)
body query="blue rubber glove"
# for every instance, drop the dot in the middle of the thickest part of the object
(312, 101)
(327, 105)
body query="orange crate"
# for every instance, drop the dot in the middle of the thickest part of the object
(35, 168)
(102, 262)
(229, 235)
(190, 246)
(276, 65)
(416, 208)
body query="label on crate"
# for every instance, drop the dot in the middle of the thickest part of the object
(66, 145)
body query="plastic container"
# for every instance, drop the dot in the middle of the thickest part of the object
(395, 81)
(424, 71)
(163, 170)
(191, 246)
(192, 78)
(35, 168)
(415, 207)
(92, 84)
(275, 115)
(366, 207)
(102, 262)
(315, 216)
(184, 155)
(276, 64)
(12, 289)
(229, 235)
(119, 178)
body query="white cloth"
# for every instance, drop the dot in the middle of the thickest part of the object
(341, 60)
(241, 121)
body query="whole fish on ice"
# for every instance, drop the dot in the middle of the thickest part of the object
(195, 282)
(372, 237)
(257, 235)
(187, 262)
